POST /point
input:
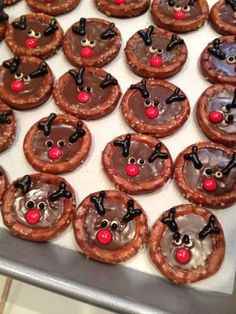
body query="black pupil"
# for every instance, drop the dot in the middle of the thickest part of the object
(84, 40)
(61, 143)
(41, 205)
(148, 102)
(185, 7)
(30, 204)
(81, 88)
(132, 160)
(92, 42)
(104, 223)
(160, 50)
(88, 89)
(36, 34)
(114, 226)
(141, 161)
(231, 58)
(49, 143)
(208, 171)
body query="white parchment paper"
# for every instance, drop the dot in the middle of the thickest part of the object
(90, 177)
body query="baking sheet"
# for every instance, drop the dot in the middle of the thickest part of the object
(90, 177)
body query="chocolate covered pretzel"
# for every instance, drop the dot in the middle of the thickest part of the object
(3, 20)
(7, 127)
(52, 7)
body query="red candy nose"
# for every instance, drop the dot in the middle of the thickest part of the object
(54, 153)
(17, 86)
(183, 256)
(33, 216)
(156, 62)
(152, 112)
(179, 15)
(31, 43)
(83, 97)
(216, 116)
(132, 170)
(104, 236)
(86, 52)
(209, 185)
(120, 1)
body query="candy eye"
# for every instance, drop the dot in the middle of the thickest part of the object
(177, 242)
(19, 75)
(92, 44)
(229, 118)
(186, 8)
(218, 174)
(60, 143)
(189, 244)
(104, 223)
(141, 162)
(41, 205)
(88, 89)
(114, 225)
(30, 204)
(49, 143)
(147, 103)
(160, 51)
(152, 49)
(131, 160)
(80, 88)
(30, 32)
(27, 79)
(156, 103)
(231, 59)
(226, 108)
(85, 42)
(208, 172)
(177, 7)
(37, 34)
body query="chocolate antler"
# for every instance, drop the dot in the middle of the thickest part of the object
(171, 3)
(131, 212)
(231, 165)
(191, 2)
(23, 184)
(109, 33)
(194, 157)
(4, 117)
(142, 88)
(78, 133)
(12, 65)
(80, 30)
(61, 192)
(175, 41)
(175, 97)
(3, 16)
(216, 51)
(52, 28)
(170, 220)
(41, 71)
(232, 3)
(98, 202)
(209, 228)
(157, 154)
(125, 145)
(147, 36)
(78, 76)
(108, 81)
(21, 25)
(46, 126)
(233, 103)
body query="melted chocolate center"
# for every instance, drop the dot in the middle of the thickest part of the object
(226, 14)
(169, 11)
(189, 225)
(115, 211)
(222, 65)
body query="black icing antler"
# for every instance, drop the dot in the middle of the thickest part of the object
(23, 184)
(231, 165)
(52, 28)
(80, 30)
(125, 145)
(171, 3)
(108, 81)
(142, 88)
(98, 202)
(46, 126)
(170, 220)
(3, 16)
(4, 117)
(78, 76)
(21, 25)
(61, 192)
(175, 41)
(157, 154)
(41, 71)
(109, 33)
(194, 157)
(175, 97)
(78, 133)
(232, 3)
(131, 212)
(216, 51)
(209, 228)
(12, 65)
(233, 103)
(147, 36)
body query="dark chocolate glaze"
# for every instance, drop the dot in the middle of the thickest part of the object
(216, 103)
(189, 225)
(216, 160)
(156, 93)
(169, 11)
(226, 14)
(58, 132)
(115, 211)
(31, 87)
(138, 150)
(221, 65)
(39, 192)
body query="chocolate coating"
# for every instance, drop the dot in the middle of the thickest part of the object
(226, 14)
(221, 65)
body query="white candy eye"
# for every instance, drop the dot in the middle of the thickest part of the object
(148, 103)
(131, 160)
(207, 172)
(19, 75)
(231, 59)
(141, 162)
(30, 204)
(218, 174)
(225, 108)
(177, 242)
(85, 42)
(152, 49)
(41, 205)
(190, 244)
(60, 143)
(30, 32)
(37, 34)
(177, 7)
(88, 89)
(92, 44)
(104, 223)
(160, 51)
(186, 8)
(49, 143)
(27, 79)
(115, 225)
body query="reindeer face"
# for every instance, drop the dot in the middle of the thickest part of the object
(227, 12)
(180, 9)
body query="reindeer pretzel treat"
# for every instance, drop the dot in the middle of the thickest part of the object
(187, 244)
(205, 173)
(52, 7)
(223, 17)
(3, 20)
(155, 107)
(180, 15)
(218, 60)
(3, 183)
(216, 114)
(34, 34)
(122, 8)
(110, 226)
(89, 93)
(137, 163)
(7, 127)
(91, 42)
(25, 82)
(154, 52)
(38, 207)
(57, 144)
